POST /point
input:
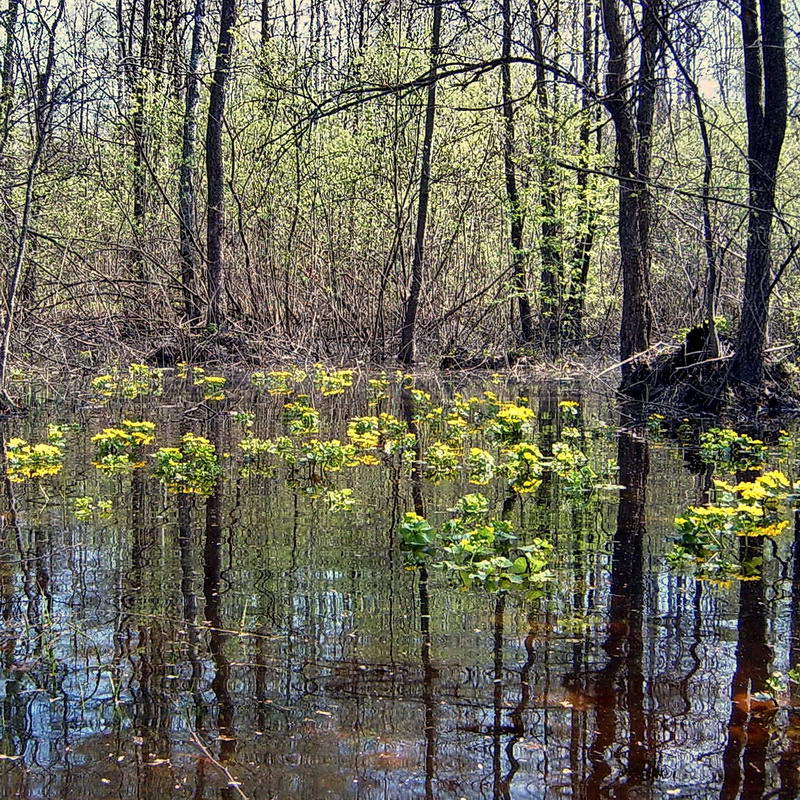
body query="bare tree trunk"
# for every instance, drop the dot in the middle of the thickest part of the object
(551, 280)
(406, 353)
(44, 119)
(138, 125)
(581, 257)
(214, 166)
(515, 209)
(8, 71)
(187, 202)
(712, 272)
(766, 108)
(633, 129)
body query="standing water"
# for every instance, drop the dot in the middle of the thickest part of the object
(330, 586)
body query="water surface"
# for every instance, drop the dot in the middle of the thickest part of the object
(252, 644)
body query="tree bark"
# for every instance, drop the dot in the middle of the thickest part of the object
(407, 333)
(8, 71)
(551, 276)
(187, 202)
(215, 166)
(43, 111)
(633, 123)
(581, 257)
(766, 100)
(515, 209)
(138, 119)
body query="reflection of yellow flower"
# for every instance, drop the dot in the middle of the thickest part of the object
(768, 530)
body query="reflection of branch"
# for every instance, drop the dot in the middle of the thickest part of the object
(232, 781)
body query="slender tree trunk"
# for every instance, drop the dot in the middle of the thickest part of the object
(44, 120)
(551, 279)
(187, 203)
(765, 87)
(214, 166)
(515, 209)
(138, 124)
(581, 258)
(265, 24)
(632, 127)
(8, 71)
(711, 291)
(8, 77)
(407, 333)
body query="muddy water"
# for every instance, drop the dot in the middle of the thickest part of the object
(253, 645)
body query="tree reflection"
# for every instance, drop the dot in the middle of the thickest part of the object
(620, 685)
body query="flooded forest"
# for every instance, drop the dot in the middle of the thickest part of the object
(399, 399)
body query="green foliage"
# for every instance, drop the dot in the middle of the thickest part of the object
(737, 451)
(333, 382)
(278, 382)
(121, 449)
(244, 418)
(85, 508)
(139, 380)
(300, 419)
(418, 537)
(191, 468)
(29, 461)
(707, 533)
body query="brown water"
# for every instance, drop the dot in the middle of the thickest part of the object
(252, 645)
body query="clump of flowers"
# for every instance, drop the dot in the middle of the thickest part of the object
(441, 462)
(278, 382)
(511, 424)
(327, 456)
(569, 408)
(377, 389)
(478, 551)
(738, 451)
(383, 433)
(749, 508)
(139, 380)
(523, 465)
(300, 418)
(192, 468)
(364, 432)
(333, 382)
(121, 449)
(26, 461)
(212, 386)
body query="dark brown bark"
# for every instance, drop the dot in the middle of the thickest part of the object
(407, 334)
(765, 87)
(44, 111)
(515, 209)
(581, 258)
(551, 275)
(187, 202)
(8, 70)
(215, 166)
(138, 125)
(633, 120)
